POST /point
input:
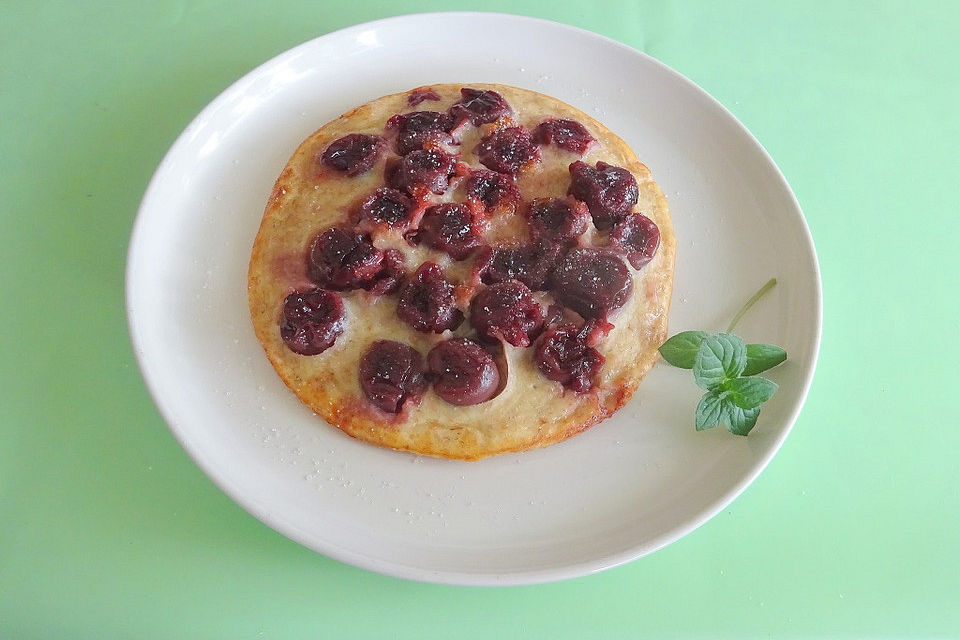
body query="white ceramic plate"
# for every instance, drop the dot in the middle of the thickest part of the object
(620, 490)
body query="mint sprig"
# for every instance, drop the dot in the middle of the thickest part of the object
(726, 368)
(719, 358)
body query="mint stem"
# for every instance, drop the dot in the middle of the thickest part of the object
(749, 303)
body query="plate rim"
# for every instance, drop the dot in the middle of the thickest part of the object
(397, 569)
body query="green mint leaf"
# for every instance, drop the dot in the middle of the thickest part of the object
(718, 362)
(761, 357)
(720, 358)
(711, 410)
(681, 349)
(739, 421)
(749, 393)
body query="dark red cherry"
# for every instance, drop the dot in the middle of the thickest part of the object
(493, 190)
(637, 237)
(506, 311)
(566, 134)
(592, 282)
(463, 372)
(594, 331)
(417, 96)
(416, 128)
(391, 375)
(311, 321)
(343, 259)
(558, 219)
(507, 150)
(353, 154)
(479, 106)
(423, 170)
(562, 354)
(449, 227)
(426, 301)
(392, 273)
(609, 191)
(387, 206)
(531, 264)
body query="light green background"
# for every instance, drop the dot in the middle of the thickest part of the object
(108, 530)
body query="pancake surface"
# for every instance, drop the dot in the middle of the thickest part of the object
(325, 185)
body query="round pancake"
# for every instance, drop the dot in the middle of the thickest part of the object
(530, 411)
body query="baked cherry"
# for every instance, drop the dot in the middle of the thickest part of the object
(491, 189)
(417, 96)
(558, 219)
(423, 170)
(638, 237)
(463, 372)
(595, 330)
(562, 354)
(557, 314)
(392, 375)
(531, 264)
(592, 282)
(416, 128)
(610, 192)
(387, 206)
(566, 134)
(311, 321)
(392, 273)
(449, 227)
(353, 154)
(343, 259)
(507, 150)
(479, 106)
(426, 301)
(506, 311)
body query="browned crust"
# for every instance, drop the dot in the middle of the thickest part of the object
(467, 435)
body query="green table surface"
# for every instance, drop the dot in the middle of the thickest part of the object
(108, 530)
